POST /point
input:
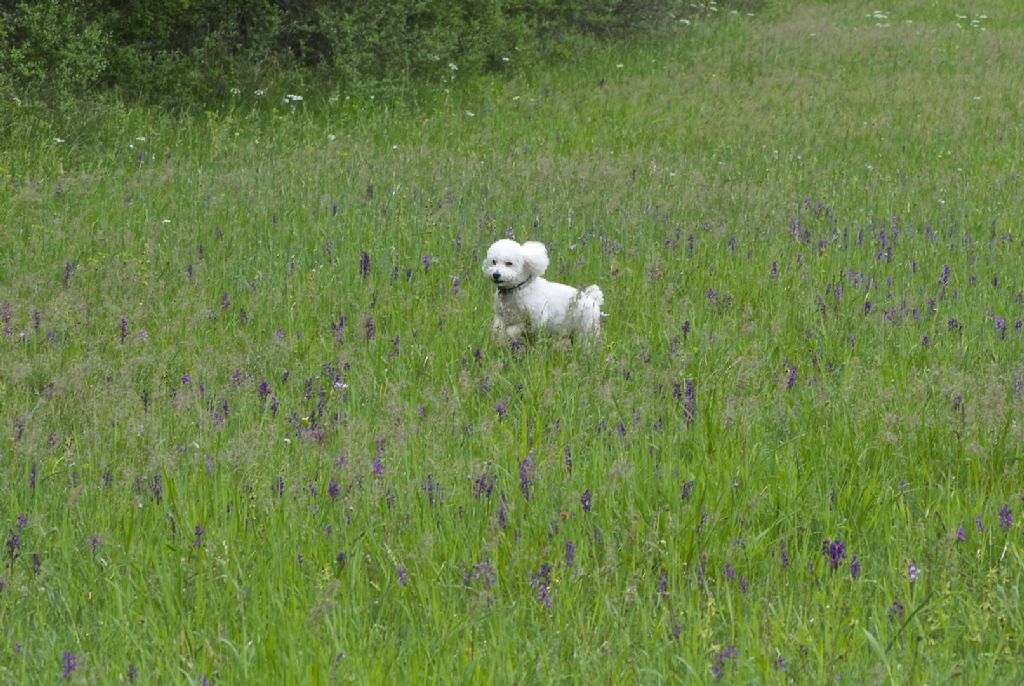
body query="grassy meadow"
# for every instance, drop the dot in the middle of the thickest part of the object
(253, 428)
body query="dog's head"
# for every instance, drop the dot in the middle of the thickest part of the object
(509, 264)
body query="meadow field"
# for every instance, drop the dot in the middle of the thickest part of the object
(254, 429)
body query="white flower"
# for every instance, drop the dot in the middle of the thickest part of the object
(505, 59)
(235, 91)
(470, 114)
(394, 147)
(166, 221)
(452, 66)
(141, 138)
(259, 92)
(331, 137)
(58, 141)
(619, 66)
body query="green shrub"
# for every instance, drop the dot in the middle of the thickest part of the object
(52, 49)
(198, 51)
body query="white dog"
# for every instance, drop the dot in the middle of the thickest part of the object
(526, 303)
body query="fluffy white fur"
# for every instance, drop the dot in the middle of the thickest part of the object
(527, 304)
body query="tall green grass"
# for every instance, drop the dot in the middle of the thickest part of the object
(227, 473)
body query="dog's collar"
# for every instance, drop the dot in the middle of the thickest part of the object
(506, 291)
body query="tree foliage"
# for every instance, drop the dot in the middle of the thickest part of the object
(198, 50)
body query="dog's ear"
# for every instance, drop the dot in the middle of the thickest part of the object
(535, 258)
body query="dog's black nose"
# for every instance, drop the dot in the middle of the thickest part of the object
(496, 276)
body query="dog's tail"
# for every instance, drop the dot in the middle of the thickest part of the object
(595, 294)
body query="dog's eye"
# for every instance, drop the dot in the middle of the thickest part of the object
(494, 262)
(508, 264)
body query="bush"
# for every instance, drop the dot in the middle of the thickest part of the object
(183, 51)
(52, 50)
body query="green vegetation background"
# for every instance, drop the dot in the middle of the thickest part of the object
(253, 428)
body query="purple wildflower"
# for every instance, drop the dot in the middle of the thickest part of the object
(157, 488)
(895, 611)
(124, 329)
(333, 490)
(978, 524)
(542, 582)
(568, 458)
(69, 267)
(264, 389)
(729, 572)
(501, 408)
(502, 516)
(70, 663)
(200, 533)
(482, 571)
(133, 673)
(378, 467)
(484, 485)
(427, 261)
(791, 380)
(961, 535)
(570, 554)
(854, 568)
(13, 545)
(364, 265)
(687, 489)
(775, 270)
(690, 404)
(835, 551)
(729, 653)
(913, 573)
(1000, 327)
(1005, 518)
(403, 575)
(586, 500)
(432, 490)
(340, 559)
(371, 329)
(676, 631)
